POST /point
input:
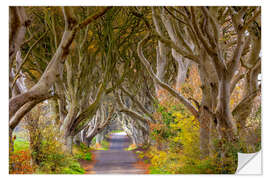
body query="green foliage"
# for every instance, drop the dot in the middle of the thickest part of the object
(153, 170)
(207, 166)
(104, 146)
(73, 168)
(178, 151)
(177, 148)
(116, 131)
(56, 161)
(82, 152)
(177, 126)
(20, 158)
(131, 147)
(162, 130)
(88, 156)
(47, 149)
(20, 144)
(50, 155)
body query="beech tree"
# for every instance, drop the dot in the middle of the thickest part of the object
(52, 71)
(218, 56)
(95, 65)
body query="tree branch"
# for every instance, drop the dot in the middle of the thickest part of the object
(245, 100)
(14, 121)
(26, 56)
(141, 107)
(129, 111)
(92, 18)
(173, 92)
(236, 80)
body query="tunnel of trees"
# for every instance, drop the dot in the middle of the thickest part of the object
(182, 82)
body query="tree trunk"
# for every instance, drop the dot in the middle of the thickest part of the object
(161, 65)
(182, 69)
(66, 125)
(99, 138)
(243, 110)
(204, 119)
(54, 106)
(68, 143)
(11, 141)
(225, 123)
(18, 22)
(208, 102)
(226, 128)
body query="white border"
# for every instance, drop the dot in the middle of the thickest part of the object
(4, 77)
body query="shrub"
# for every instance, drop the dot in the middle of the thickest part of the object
(48, 150)
(177, 143)
(20, 158)
(73, 168)
(20, 162)
(82, 152)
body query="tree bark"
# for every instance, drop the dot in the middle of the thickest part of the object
(51, 73)
(68, 143)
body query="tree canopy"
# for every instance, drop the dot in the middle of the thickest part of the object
(174, 77)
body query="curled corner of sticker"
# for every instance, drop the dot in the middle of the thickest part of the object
(249, 163)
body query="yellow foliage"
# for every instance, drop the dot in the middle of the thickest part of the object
(189, 134)
(90, 33)
(180, 145)
(92, 48)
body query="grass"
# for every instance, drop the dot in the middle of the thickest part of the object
(131, 147)
(157, 171)
(73, 168)
(104, 146)
(82, 152)
(116, 131)
(20, 144)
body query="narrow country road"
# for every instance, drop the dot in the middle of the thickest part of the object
(116, 160)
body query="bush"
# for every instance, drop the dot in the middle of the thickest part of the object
(45, 151)
(82, 152)
(20, 162)
(48, 150)
(20, 158)
(177, 148)
(73, 168)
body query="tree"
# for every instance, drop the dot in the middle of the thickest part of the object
(217, 61)
(51, 73)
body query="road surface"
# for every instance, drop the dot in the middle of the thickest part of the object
(116, 160)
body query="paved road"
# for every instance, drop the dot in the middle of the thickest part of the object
(116, 160)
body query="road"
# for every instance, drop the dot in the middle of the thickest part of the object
(116, 160)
